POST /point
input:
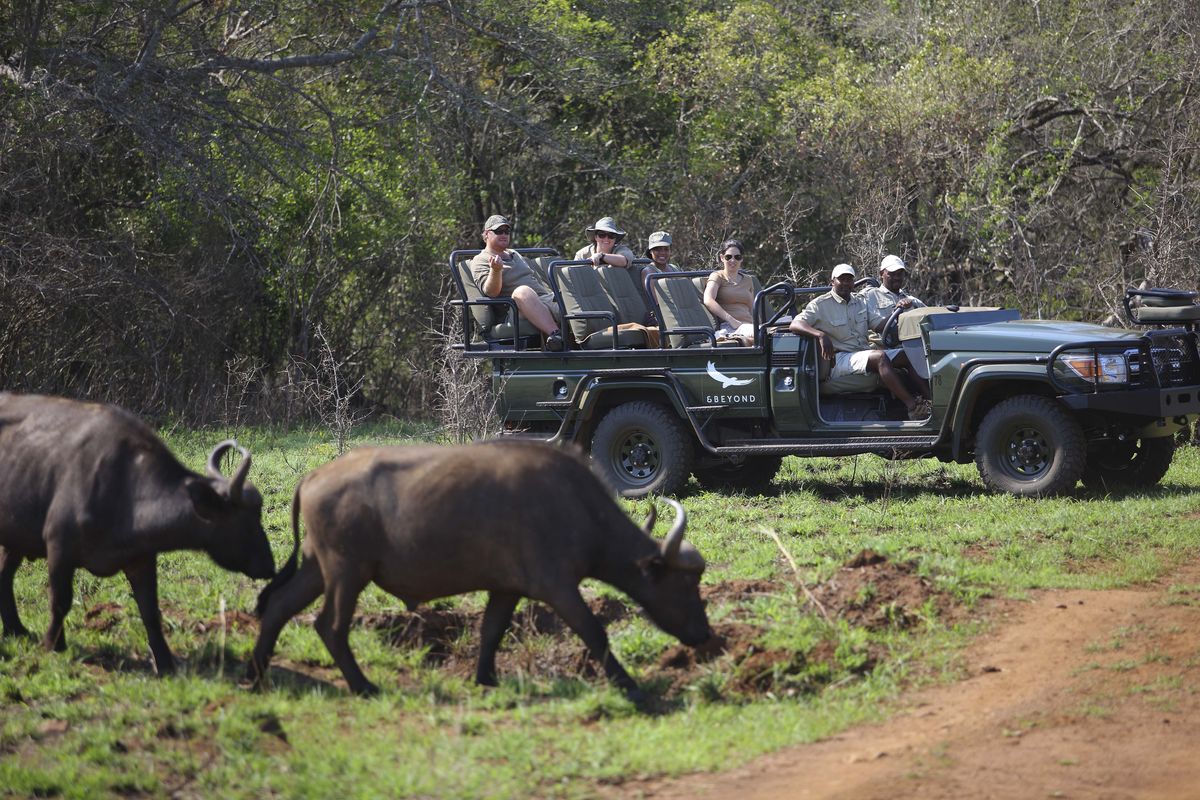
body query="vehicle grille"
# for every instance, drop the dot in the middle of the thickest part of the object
(1173, 360)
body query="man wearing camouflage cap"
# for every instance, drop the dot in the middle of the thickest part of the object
(502, 272)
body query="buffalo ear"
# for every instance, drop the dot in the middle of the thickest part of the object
(207, 503)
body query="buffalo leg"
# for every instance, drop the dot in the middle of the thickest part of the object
(9, 562)
(286, 602)
(143, 579)
(333, 626)
(62, 591)
(496, 618)
(580, 619)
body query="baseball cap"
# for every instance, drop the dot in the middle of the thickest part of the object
(892, 264)
(658, 239)
(843, 269)
(496, 221)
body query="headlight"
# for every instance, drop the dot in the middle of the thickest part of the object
(1105, 368)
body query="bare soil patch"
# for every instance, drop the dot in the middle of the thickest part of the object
(1072, 694)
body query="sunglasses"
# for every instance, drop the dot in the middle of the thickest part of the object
(503, 231)
(733, 256)
(605, 235)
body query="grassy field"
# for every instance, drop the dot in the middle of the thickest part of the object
(810, 646)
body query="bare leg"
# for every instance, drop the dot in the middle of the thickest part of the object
(496, 618)
(920, 383)
(879, 363)
(143, 579)
(62, 590)
(581, 620)
(333, 625)
(286, 602)
(533, 309)
(9, 562)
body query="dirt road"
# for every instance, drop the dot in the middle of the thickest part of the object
(1075, 694)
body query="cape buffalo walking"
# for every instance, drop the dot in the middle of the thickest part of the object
(90, 486)
(515, 519)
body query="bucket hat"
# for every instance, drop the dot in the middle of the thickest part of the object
(658, 239)
(605, 224)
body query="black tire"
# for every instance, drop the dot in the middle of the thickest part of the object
(1031, 447)
(641, 448)
(752, 475)
(1137, 464)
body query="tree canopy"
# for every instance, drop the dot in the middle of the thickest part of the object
(199, 198)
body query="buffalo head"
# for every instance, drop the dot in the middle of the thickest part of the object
(672, 597)
(232, 508)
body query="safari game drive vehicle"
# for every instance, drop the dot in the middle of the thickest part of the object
(1037, 404)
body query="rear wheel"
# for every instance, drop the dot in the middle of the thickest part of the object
(1030, 446)
(642, 448)
(1135, 464)
(752, 475)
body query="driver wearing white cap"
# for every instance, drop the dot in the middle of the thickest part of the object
(884, 299)
(838, 320)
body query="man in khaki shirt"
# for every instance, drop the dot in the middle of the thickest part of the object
(501, 272)
(840, 322)
(882, 301)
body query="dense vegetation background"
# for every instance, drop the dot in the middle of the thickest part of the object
(212, 208)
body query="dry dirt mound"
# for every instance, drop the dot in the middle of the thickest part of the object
(1073, 694)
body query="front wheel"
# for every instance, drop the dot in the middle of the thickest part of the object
(1135, 464)
(641, 448)
(1030, 446)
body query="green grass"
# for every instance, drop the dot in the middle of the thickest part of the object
(94, 721)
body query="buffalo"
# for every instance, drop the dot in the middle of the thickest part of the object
(90, 486)
(515, 519)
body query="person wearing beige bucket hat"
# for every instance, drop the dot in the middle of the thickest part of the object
(604, 248)
(500, 271)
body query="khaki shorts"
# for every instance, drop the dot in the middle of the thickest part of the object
(850, 363)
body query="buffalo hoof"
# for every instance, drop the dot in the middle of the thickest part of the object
(164, 670)
(368, 689)
(18, 632)
(58, 645)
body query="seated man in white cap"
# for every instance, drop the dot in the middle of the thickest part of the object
(838, 320)
(882, 302)
(501, 272)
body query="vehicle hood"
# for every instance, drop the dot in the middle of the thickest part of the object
(1025, 335)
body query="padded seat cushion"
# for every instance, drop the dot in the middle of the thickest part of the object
(623, 294)
(1189, 313)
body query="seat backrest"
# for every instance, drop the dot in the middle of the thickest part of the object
(541, 267)
(485, 316)
(581, 290)
(681, 305)
(623, 294)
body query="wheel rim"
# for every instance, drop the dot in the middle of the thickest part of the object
(636, 457)
(1028, 454)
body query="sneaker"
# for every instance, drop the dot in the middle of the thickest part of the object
(554, 342)
(922, 409)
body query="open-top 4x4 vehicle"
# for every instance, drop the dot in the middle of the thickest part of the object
(1037, 404)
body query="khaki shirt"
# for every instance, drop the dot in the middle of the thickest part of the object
(881, 303)
(517, 272)
(844, 321)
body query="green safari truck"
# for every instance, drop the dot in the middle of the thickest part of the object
(1038, 405)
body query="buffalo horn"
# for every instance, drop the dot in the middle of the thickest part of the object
(239, 476)
(670, 545)
(648, 525)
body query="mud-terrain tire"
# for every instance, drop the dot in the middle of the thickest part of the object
(1134, 465)
(752, 475)
(1030, 446)
(642, 448)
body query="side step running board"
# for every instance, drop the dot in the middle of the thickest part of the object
(827, 446)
